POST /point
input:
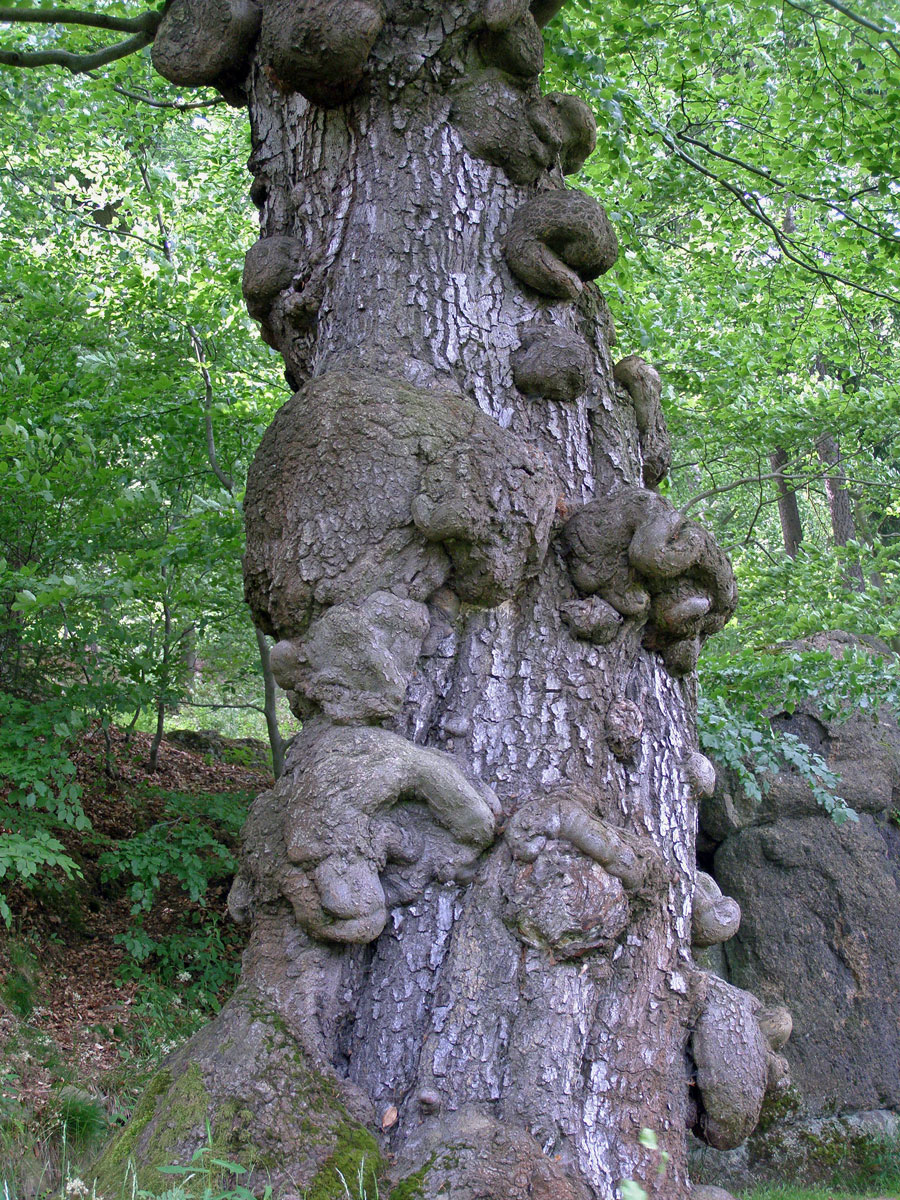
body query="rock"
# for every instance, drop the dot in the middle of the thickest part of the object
(249, 752)
(862, 747)
(824, 1147)
(821, 914)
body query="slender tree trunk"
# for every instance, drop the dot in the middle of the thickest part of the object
(471, 889)
(277, 744)
(788, 509)
(843, 526)
(153, 760)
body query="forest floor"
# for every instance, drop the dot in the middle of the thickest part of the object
(103, 976)
(92, 993)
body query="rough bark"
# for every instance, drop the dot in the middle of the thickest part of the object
(788, 509)
(470, 891)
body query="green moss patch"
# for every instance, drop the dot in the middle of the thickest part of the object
(356, 1160)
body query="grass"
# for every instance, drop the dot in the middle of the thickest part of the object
(787, 1191)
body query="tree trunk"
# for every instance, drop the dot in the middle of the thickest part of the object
(277, 744)
(471, 889)
(788, 509)
(843, 526)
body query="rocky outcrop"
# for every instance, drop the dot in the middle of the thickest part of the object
(821, 915)
(820, 904)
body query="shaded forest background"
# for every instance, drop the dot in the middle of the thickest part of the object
(748, 158)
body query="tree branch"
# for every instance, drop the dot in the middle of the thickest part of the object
(147, 22)
(756, 211)
(864, 21)
(855, 17)
(178, 105)
(78, 64)
(766, 174)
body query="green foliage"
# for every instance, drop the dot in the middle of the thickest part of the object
(123, 355)
(742, 690)
(200, 959)
(18, 989)
(182, 848)
(39, 795)
(190, 848)
(206, 1177)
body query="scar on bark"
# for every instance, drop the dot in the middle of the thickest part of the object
(700, 775)
(207, 43)
(557, 240)
(407, 491)
(470, 1153)
(552, 362)
(573, 875)
(356, 661)
(623, 726)
(342, 828)
(500, 14)
(643, 385)
(715, 918)
(640, 555)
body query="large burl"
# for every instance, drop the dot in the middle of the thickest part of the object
(334, 823)
(637, 552)
(730, 1055)
(371, 494)
(573, 876)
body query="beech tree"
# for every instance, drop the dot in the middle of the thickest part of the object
(472, 893)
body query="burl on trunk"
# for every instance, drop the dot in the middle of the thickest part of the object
(471, 892)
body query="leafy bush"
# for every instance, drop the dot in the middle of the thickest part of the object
(200, 961)
(741, 691)
(40, 794)
(184, 846)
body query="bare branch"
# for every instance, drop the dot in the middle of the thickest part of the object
(147, 22)
(178, 105)
(78, 64)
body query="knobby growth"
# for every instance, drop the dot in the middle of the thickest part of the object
(472, 893)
